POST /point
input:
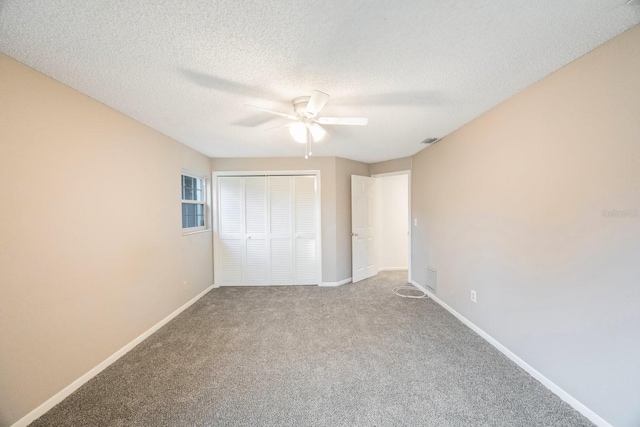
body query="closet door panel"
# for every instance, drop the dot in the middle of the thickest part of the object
(256, 261)
(305, 204)
(281, 229)
(281, 261)
(255, 213)
(305, 230)
(230, 233)
(305, 261)
(280, 210)
(230, 205)
(231, 261)
(255, 205)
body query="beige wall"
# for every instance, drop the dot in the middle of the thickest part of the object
(513, 205)
(395, 165)
(91, 247)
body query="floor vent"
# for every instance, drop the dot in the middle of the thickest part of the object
(432, 279)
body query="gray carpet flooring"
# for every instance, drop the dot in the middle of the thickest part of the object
(356, 355)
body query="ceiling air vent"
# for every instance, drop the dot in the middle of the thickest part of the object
(430, 141)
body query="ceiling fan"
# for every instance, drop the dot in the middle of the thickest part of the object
(306, 123)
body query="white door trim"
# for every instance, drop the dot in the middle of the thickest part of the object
(214, 210)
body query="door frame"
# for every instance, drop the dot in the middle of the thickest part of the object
(214, 211)
(410, 227)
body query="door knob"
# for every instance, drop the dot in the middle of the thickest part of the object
(354, 234)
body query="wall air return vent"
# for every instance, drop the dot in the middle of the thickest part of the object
(432, 279)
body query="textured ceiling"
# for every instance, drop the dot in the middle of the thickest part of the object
(416, 69)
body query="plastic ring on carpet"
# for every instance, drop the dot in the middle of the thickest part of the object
(397, 290)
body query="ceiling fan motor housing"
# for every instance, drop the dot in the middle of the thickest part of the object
(300, 105)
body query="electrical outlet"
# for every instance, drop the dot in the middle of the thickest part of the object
(473, 295)
(184, 284)
(415, 222)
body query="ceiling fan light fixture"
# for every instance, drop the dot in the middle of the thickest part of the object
(317, 132)
(299, 132)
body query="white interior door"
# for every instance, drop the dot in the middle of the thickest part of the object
(363, 202)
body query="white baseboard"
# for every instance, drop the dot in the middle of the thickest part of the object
(575, 403)
(392, 269)
(340, 283)
(62, 394)
(260, 285)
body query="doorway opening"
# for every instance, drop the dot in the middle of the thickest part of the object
(381, 224)
(392, 219)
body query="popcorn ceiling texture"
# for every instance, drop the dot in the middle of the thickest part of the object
(416, 69)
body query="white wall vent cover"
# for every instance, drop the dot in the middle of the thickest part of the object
(432, 279)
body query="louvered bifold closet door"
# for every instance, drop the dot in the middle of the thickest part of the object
(230, 230)
(256, 249)
(281, 229)
(267, 231)
(305, 231)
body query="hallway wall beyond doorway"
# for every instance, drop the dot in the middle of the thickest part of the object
(392, 222)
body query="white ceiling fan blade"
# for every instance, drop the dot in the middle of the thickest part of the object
(277, 113)
(281, 126)
(316, 102)
(358, 121)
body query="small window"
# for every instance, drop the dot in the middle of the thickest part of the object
(193, 203)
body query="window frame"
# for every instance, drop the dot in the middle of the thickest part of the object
(204, 202)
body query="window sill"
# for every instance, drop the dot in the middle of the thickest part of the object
(187, 233)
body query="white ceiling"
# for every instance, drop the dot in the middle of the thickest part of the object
(416, 69)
